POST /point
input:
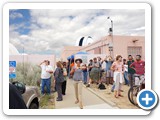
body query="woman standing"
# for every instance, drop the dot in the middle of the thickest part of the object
(59, 79)
(78, 77)
(118, 67)
(65, 79)
(95, 72)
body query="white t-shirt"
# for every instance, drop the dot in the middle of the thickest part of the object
(126, 68)
(44, 74)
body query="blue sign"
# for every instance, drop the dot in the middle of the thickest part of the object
(12, 63)
(12, 69)
(147, 99)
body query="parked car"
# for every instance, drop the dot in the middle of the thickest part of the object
(30, 95)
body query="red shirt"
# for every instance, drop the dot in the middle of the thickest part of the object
(139, 67)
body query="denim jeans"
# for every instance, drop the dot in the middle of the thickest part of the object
(47, 83)
(131, 79)
(126, 78)
(85, 74)
(113, 87)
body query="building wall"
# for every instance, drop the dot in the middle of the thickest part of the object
(101, 46)
(68, 51)
(34, 59)
(120, 45)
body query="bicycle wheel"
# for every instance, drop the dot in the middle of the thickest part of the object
(132, 94)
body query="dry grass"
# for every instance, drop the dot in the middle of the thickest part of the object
(47, 102)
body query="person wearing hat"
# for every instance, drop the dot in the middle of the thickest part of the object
(77, 72)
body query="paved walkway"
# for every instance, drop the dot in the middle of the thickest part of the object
(90, 100)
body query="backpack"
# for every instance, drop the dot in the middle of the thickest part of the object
(101, 86)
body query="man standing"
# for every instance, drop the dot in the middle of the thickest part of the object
(89, 72)
(125, 72)
(139, 67)
(100, 62)
(109, 73)
(46, 72)
(130, 70)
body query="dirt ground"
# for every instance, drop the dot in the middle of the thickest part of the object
(121, 102)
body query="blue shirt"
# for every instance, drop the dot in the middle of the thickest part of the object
(108, 65)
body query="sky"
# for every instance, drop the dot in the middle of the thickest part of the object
(47, 31)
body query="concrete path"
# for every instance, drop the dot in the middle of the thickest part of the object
(90, 100)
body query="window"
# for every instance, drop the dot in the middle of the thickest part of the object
(134, 51)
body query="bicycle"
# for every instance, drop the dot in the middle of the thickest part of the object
(135, 89)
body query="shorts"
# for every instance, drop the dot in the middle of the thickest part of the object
(109, 73)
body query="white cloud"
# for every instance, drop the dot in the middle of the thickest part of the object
(53, 29)
(140, 28)
(16, 15)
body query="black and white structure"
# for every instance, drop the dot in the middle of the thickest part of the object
(83, 41)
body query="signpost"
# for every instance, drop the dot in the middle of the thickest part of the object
(12, 69)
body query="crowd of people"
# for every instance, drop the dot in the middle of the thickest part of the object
(116, 72)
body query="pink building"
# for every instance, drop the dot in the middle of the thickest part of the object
(69, 50)
(123, 45)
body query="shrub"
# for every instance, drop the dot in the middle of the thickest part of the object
(27, 73)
